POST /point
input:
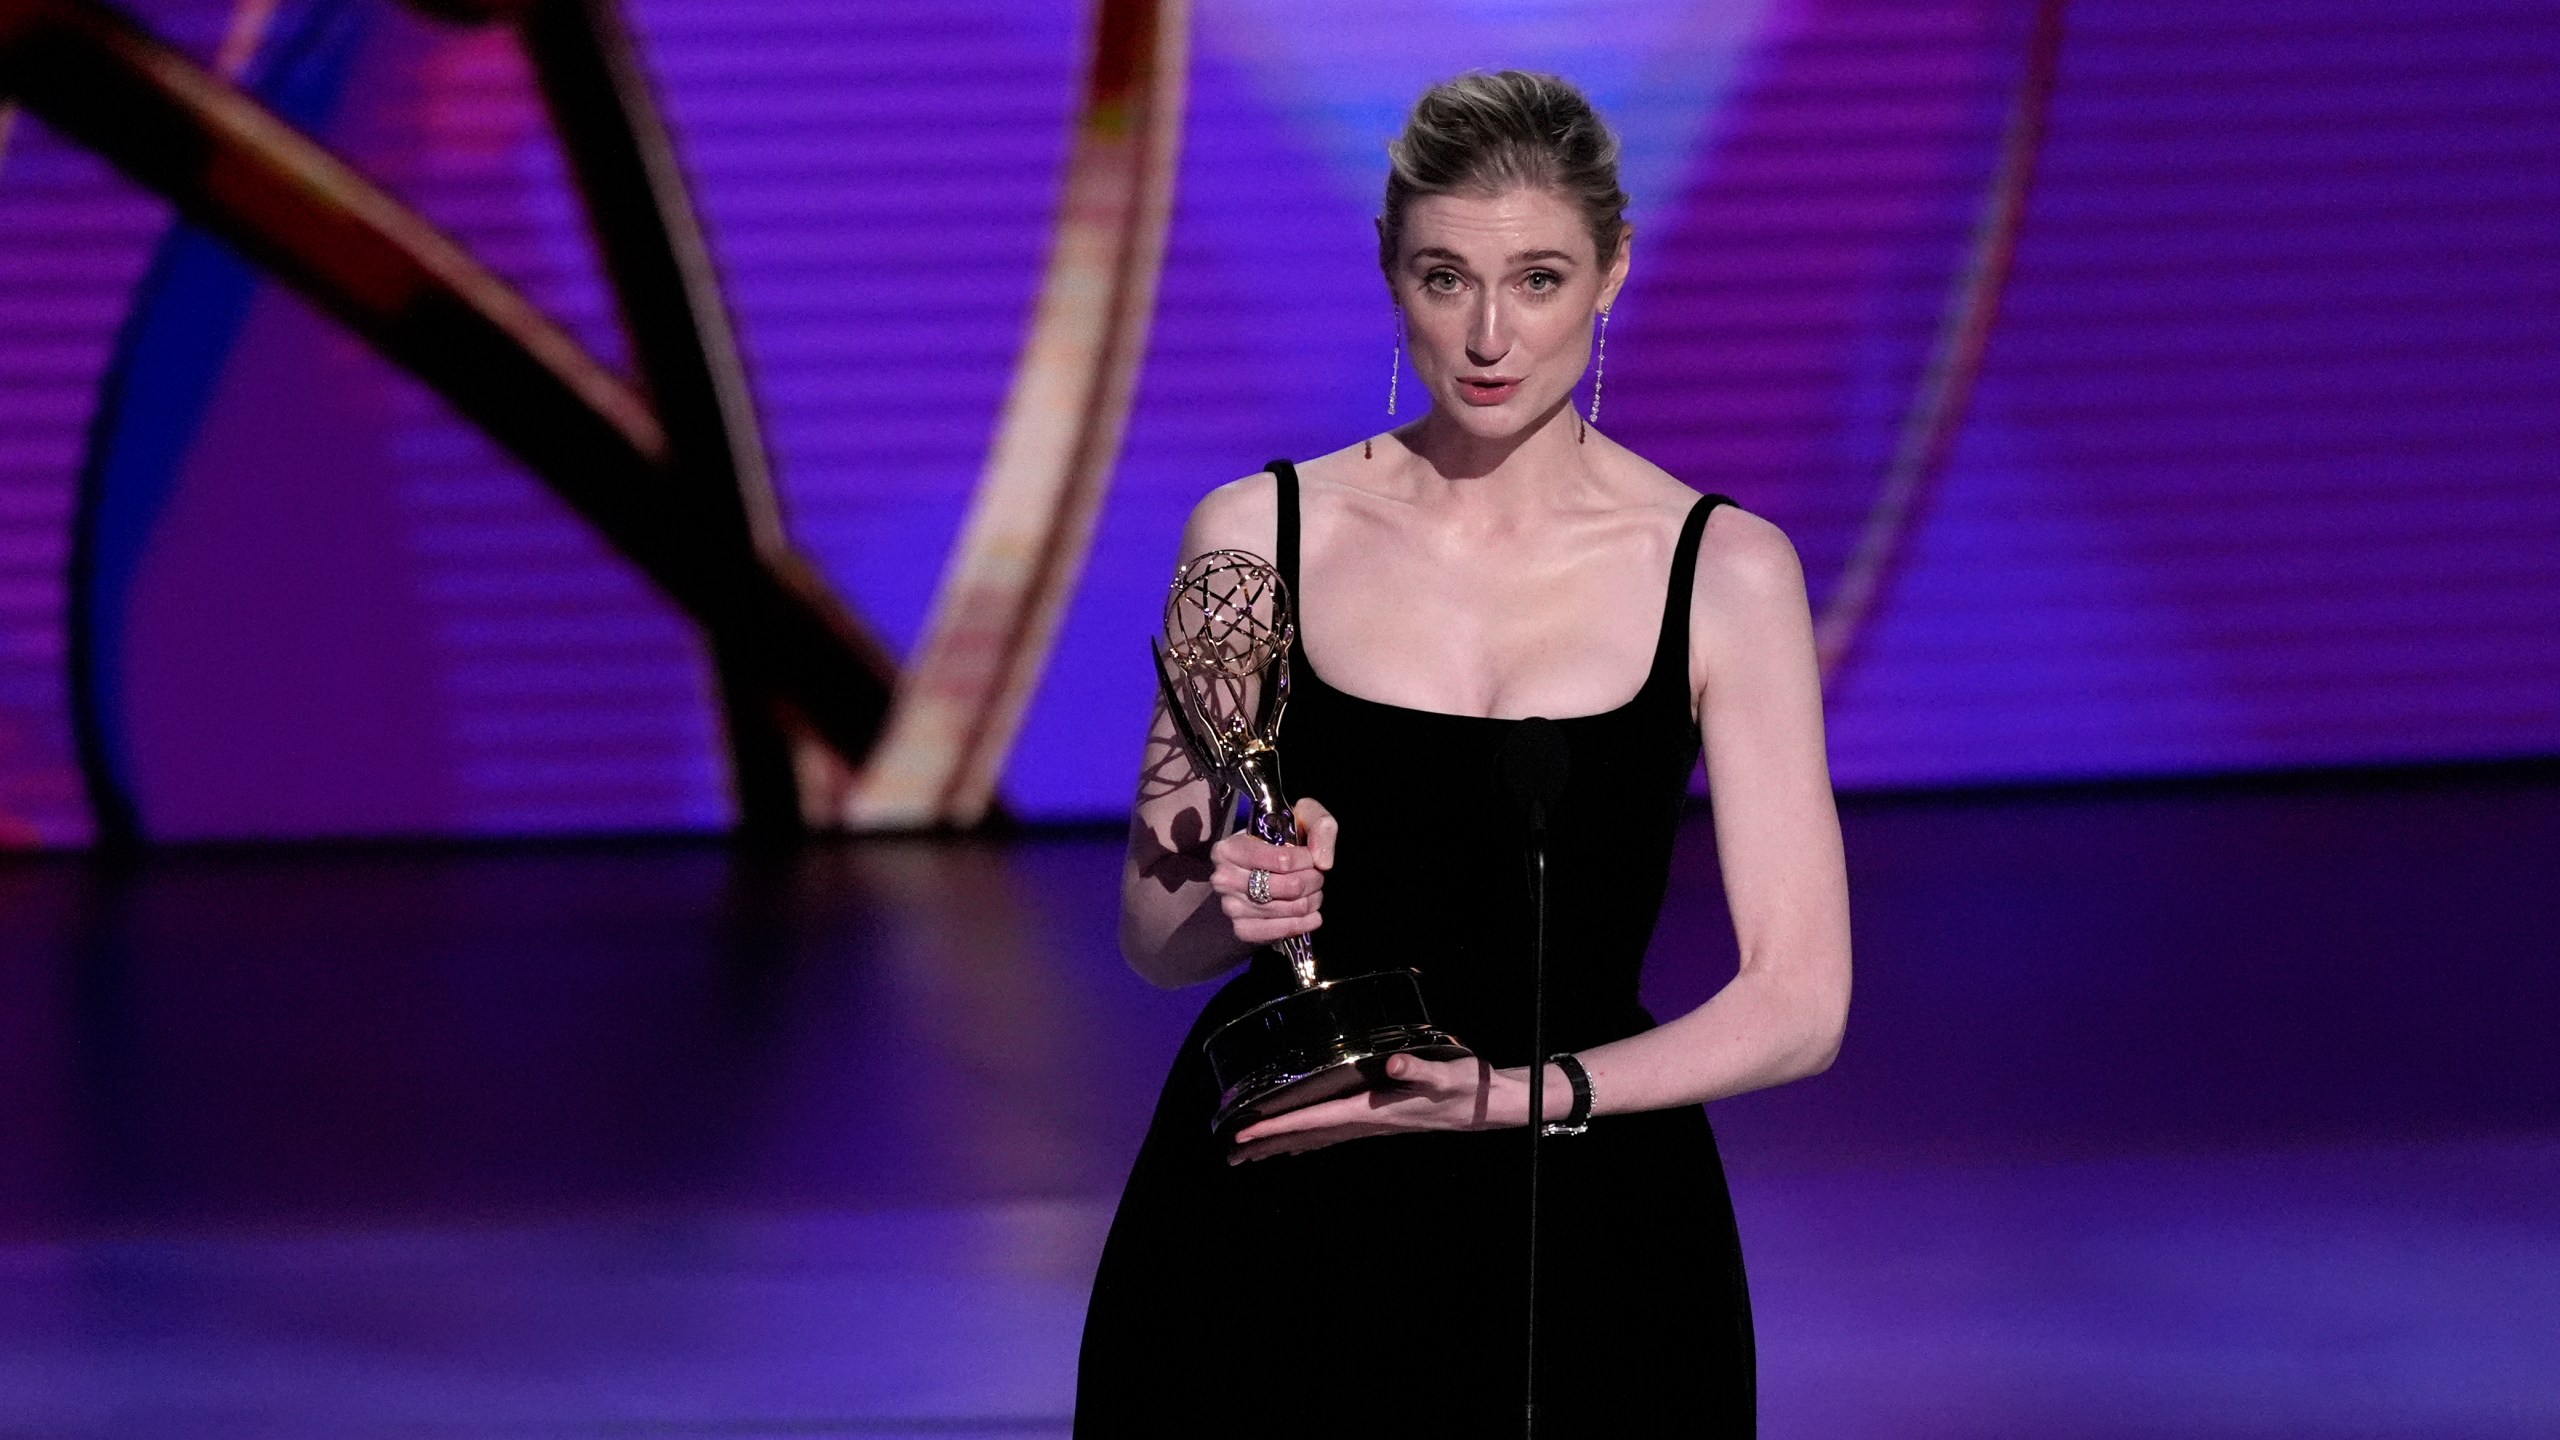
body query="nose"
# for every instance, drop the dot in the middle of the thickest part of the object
(1488, 331)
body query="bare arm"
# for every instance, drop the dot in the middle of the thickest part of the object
(1171, 928)
(1777, 835)
(1183, 914)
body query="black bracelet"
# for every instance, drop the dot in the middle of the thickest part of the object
(1577, 1119)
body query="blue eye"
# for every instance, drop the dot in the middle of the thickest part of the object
(1542, 281)
(1444, 281)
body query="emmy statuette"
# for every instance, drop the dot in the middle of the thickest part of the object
(1223, 663)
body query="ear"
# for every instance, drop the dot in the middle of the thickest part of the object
(1616, 279)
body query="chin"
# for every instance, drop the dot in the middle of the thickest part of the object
(1493, 422)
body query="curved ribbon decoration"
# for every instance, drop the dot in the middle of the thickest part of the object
(1929, 431)
(674, 481)
(1031, 520)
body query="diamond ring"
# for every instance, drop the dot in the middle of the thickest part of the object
(1257, 887)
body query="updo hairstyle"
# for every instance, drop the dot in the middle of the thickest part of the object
(1482, 134)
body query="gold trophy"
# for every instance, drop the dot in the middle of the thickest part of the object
(1223, 663)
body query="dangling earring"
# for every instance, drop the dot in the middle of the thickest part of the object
(1395, 372)
(1395, 362)
(1599, 366)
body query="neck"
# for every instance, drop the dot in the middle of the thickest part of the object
(1529, 461)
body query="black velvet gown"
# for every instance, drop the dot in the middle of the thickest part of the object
(1376, 1287)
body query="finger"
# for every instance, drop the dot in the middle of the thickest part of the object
(1248, 852)
(1294, 885)
(1279, 884)
(1239, 907)
(1256, 930)
(1440, 1079)
(1271, 932)
(1342, 1110)
(1300, 1131)
(1377, 1110)
(1252, 852)
(1387, 1111)
(1317, 824)
(1298, 1144)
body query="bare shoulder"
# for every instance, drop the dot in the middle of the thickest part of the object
(1750, 623)
(1747, 562)
(1239, 515)
(1336, 472)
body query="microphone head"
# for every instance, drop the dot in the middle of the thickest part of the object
(1535, 764)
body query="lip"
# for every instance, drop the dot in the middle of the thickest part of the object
(1487, 389)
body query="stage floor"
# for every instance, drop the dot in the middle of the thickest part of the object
(2205, 1112)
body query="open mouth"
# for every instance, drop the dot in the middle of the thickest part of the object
(1487, 389)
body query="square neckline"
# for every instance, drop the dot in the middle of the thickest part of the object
(1684, 557)
(1307, 669)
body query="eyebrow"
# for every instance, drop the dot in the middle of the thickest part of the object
(1523, 258)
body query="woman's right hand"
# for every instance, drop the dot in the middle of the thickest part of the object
(1296, 883)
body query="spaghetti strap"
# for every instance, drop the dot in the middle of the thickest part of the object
(1287, 559)
(1671, 650)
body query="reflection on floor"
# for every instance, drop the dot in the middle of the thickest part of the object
(2225, 1113)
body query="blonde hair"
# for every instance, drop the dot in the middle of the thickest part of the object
(1480, 134)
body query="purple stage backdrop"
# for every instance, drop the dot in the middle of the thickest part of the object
(2259, 470)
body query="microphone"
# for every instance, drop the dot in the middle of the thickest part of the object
(1535, 765)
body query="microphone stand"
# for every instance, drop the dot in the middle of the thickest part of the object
(1537, 1091)
(1535, 765)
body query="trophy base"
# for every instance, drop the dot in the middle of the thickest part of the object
(1330, 1039)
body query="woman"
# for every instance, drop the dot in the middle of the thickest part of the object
(1355, 1267)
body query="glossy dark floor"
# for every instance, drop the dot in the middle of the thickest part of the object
(2219, 1112)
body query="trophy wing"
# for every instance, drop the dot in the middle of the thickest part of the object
(1200, 739)
(1275, 698)
(1208, 755)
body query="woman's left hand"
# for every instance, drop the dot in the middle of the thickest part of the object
(1419, 1094)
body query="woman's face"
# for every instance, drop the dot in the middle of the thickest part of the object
(1499, 292)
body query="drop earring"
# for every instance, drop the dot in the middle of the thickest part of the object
(1395, 362)
(1395, 373)
(1599, 365)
